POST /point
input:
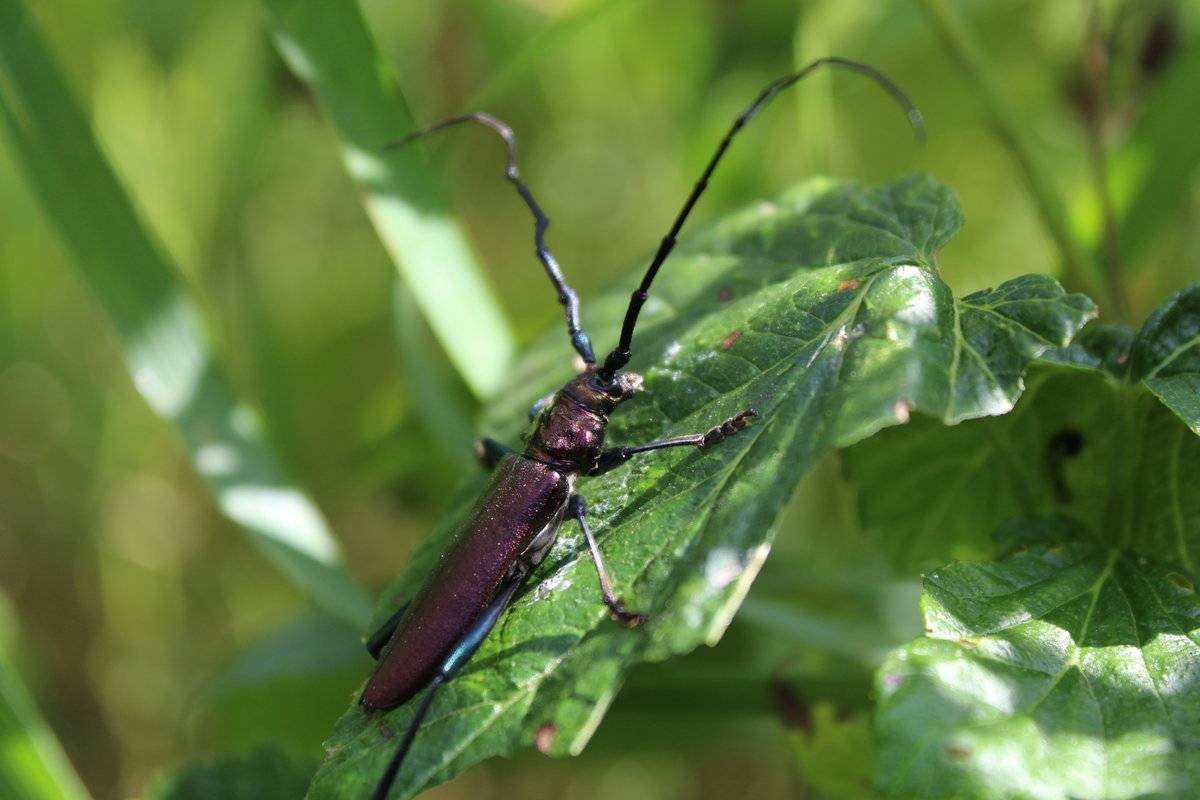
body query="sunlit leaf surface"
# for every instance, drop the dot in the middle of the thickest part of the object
(1166, 355)
(164, 343)
(824, 312)
(1068, 669)
(1077, 433)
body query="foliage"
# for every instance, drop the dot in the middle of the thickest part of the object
(824, 312)
(263, 774)
(328, 46)
(32, 764)
(205, 337)
(166, 349)
(1068, 668)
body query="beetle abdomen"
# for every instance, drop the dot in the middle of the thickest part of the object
(520, 500)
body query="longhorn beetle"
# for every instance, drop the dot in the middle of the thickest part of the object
(516, 518)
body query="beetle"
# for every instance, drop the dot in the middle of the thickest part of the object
(530, 493)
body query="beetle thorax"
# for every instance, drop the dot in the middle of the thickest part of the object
(569, 433)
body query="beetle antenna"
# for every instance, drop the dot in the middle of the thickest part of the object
(566, 295)
(620, 355)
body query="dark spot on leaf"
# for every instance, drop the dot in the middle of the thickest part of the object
(844, 714)
(544, 738)
(386, 731)
(730, 339)
(793, 710)
(725, 294)
(849, 285)
(1180, 581)
(958, 752)
(1161, 43)
(1069, 442)
(1061, 448)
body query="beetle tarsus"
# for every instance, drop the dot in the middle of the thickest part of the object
(577, 510)
(629, 619)
(737, 422)
(616, 456)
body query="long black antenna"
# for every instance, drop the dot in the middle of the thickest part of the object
(619, 357)
(566, 295)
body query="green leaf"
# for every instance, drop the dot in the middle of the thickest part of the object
(1166, 356)
(1068, 669)
(264, 774)
(165, 346)
(1062, 672)
(823, 311)
(32, 764)
(1087, 427)
(835, 755)
(328, 46)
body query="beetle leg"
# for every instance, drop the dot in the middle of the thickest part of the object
(459, 656)
(380, 638)
(577, 509)
(489, 452)
(616, 456)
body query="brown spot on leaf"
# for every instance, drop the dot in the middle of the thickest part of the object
(849, 285)
(544, 738)
(386, 731)
(1121, 359)
(1180, 581)
(725, 294)
(958, 752)
(730, 339)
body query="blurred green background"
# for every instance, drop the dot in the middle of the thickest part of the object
(146, 627)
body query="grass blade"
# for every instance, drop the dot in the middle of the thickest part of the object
(32, 764)
(164, 344)
(329, 47)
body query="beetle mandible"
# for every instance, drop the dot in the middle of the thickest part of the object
(529, 494)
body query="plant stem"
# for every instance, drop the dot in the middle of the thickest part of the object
(1078, 269)
(1095, 74)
